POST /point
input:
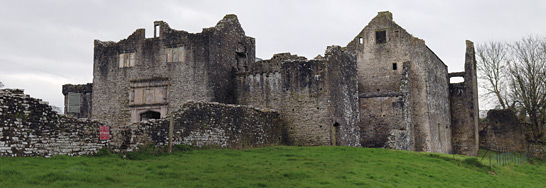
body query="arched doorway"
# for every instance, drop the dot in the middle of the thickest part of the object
(149, 115)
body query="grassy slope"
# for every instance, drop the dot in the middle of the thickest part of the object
(269, 167)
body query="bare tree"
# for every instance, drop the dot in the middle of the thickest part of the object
(527, 74)
(493, 59)
(1, 85)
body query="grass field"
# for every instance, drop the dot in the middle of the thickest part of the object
(269, 167)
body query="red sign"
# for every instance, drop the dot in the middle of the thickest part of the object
(104, 132)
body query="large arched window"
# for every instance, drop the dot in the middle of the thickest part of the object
(149, 115)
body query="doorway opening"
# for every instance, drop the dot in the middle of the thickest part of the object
(149, 115)
(336, 140)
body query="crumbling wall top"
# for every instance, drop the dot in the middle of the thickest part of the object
(385, 14)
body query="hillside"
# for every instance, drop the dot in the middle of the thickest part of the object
(269, 167)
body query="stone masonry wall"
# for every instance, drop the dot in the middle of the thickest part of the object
(381, 49)
(342, 87)
(85, 92)
(172, 68)
(387, 117)
(437, 85)
(504, 130)
(316, 98)
(206, 124)
(29, 127)
(464, 107)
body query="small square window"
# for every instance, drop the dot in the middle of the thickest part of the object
(380, 37)
(394, 66)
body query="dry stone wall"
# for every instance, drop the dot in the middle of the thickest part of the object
(29, 127)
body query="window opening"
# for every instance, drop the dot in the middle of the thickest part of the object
(156, 30)
(394, 66)
(360, 40)
(380, 37)
(241, 61)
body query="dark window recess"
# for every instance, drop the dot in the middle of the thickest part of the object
(380, 37)
(149, 115)
(394, 66)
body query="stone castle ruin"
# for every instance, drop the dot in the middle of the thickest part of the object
(386, 89)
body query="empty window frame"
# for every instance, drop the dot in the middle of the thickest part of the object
(394, 66)
(380, 37)
(175, 54)
(157, 29)
(74, 101)
(127, 60)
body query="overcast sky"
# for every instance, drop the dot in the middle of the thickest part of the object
(45, 44)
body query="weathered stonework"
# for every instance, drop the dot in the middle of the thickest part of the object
(29, 127)
(504, 130)
(170, 69)
(78, 100)
(386, 88)
(464, 107)
(206, 124)
(316, 98)
(396, 102)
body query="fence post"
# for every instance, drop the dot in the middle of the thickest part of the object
(490, 167)
(171, 127)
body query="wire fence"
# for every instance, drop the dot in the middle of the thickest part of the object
(503, 156)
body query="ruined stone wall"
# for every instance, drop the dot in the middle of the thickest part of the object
(342, 88)
(29, 127)
(464, 107)
(381, 48)
(504, 130)
(387, 117)
(316, 98)
(206, 124)
(262, 86)
(81, 96)
(160, 74)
